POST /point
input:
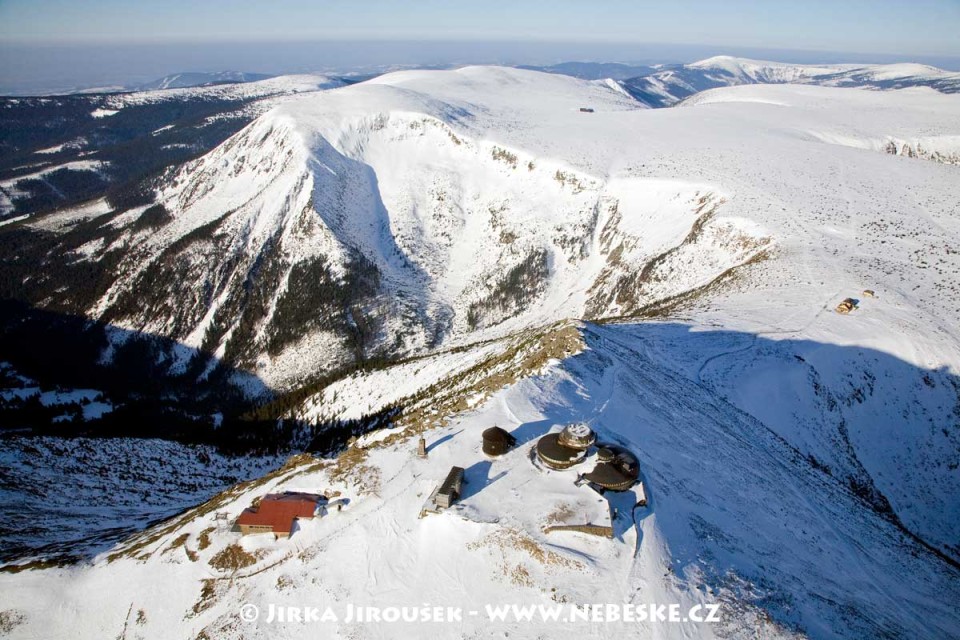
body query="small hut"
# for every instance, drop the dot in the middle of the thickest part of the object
(497, 441)
(449, 491)
(848, 305)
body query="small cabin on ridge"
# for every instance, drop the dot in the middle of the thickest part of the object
(848, 305)
(445, 495)
(449, 491)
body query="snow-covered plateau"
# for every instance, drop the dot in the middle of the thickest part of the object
(528, 250)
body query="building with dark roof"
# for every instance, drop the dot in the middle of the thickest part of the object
(555, 455)
(277, 513)
(567, 448)
(450, 489)
(617, 469)
(497, 441)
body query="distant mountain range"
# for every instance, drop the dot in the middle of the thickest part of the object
(671, 84)
(596, 70)
(656, 85)
(663, 85)
(199, 79)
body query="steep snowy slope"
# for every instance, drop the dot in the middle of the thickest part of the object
(381, 193)
(672, 84)
(115, 487)
(424, 208)
(735, 516)
(63, 151)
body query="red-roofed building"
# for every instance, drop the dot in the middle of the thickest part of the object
(277, 513)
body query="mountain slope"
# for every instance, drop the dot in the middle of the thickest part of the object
(304, 196)
(426, 213)
(62, 151)
(735, 516)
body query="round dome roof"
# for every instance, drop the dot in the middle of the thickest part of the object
(578, 435)
(497, 441)
(579, 429)
(497, 434)
(555, 455)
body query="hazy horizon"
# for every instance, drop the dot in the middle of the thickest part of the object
(49, 46)
(43, 69)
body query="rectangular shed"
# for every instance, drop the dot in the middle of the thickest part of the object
(450, 489)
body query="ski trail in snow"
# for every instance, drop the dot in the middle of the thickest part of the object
(724, 354)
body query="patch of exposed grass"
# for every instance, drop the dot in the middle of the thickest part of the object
(350, 467)
(208, 595)
(513, 539)
(203, 541)
(510, 541)
(33, 565)
(502, 155)
(562, 513)
(519, 575)
(179, 541)
(232, 557)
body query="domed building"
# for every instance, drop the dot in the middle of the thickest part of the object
(497, 441)
(605, 454)
(567, 448)
(617, 469)
(555, 455)
(578, 436)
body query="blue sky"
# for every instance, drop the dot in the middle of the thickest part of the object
(915, 27)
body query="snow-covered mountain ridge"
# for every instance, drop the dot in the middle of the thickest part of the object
(673, 83)
(379, 186)
(442, 204)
